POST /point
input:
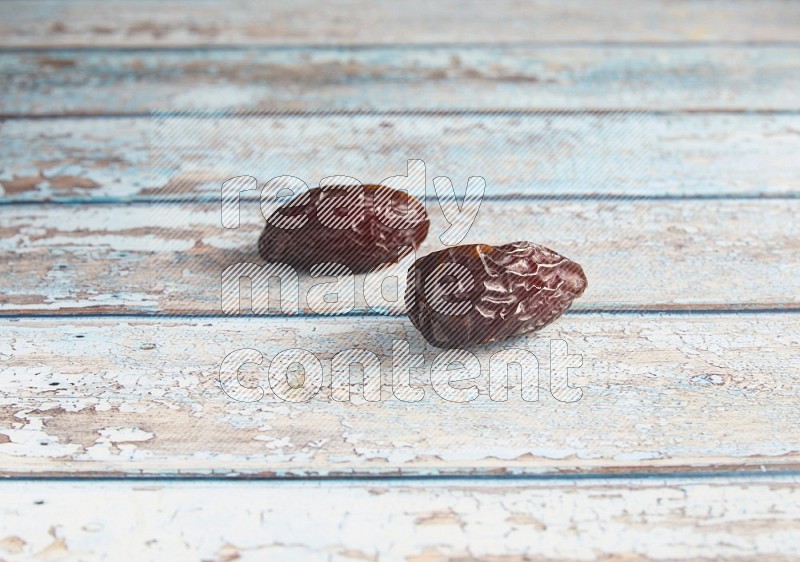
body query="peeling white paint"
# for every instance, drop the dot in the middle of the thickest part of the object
(678, 519)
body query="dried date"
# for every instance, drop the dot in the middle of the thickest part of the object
(478, 293)
(362, 227)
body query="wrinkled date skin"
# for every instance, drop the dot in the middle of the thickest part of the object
(361, 227)
(475, 294)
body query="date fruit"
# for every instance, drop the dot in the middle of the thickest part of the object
(478, 293)
(361, 227)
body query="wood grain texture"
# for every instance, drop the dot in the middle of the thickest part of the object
(168, 259)
(537, 154)
(693, 392)
(133, 396)
(682, 519)
(95, 82)
(353, 22)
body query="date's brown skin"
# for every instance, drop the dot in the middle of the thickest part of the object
(473, 294)
(360, 227)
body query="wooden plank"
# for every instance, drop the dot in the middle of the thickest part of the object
(95, 82)
(683, 519)
(169, 259)
(536, 154)
(125, 396)
(352, 22)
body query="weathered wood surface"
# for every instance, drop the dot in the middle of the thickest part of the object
(538, 154)
(96, 82)
(691, 392)
(191, 22)
(569, 520)
(677, 392)
(169, 258)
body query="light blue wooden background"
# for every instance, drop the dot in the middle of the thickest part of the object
(657, 143)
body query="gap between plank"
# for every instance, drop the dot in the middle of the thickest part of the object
(719, 473)
(398, 46)
(791, 308)
(76, 201)
(455, 112)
